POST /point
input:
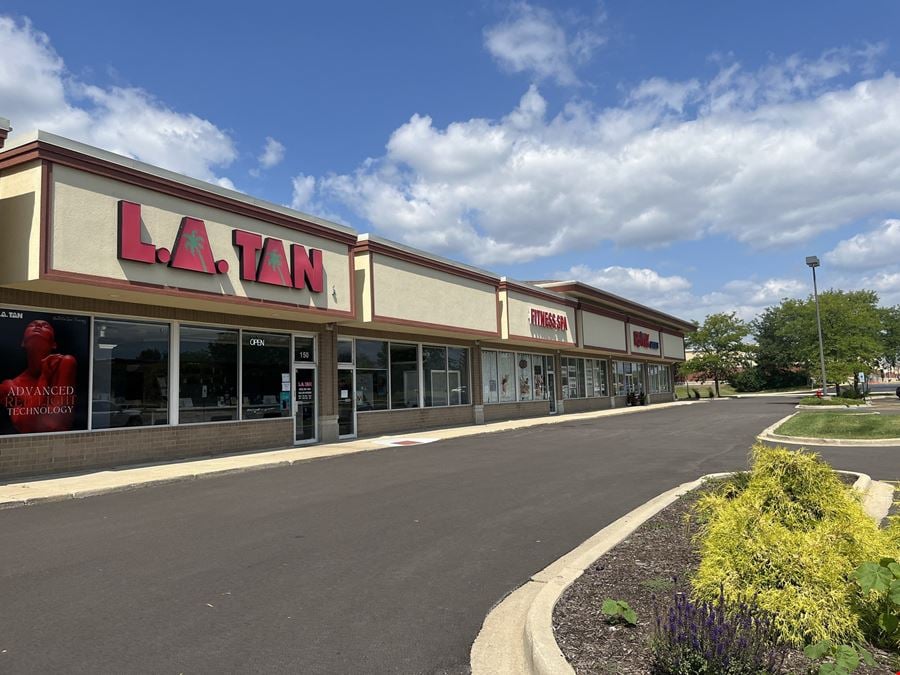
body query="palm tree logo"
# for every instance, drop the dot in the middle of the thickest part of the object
(194, 245)
(274, 262)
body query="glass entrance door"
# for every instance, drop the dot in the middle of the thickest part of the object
(346, 403)
(304, 404)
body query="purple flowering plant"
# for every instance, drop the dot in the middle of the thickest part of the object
(712, 638)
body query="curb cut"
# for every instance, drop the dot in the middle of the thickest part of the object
(768, 434)
(507, 644)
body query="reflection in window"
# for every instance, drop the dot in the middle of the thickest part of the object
(345, 351)
(434, 366)
(208, 375)
(131, 374)
(489, 382)
(404, 375)
(458, 375)
(506, 366)
(371, 375)
(524, 374)
(265, 362)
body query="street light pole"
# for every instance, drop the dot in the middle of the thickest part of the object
(813, 263)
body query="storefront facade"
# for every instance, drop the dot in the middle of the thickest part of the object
(146, 316)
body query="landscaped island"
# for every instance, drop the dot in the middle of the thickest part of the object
(841, 425)
(831, 400)
(779, 570)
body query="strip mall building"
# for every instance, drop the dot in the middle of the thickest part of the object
(145, 315)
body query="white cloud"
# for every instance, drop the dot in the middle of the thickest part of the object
(304, 188)
(877, 248)
(36, 91)
(768, 158)
(675, 294)
(533, 40)
(272, 154)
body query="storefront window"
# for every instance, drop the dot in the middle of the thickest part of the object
(525, 375)
(599, 377)
(345, 351)
(208, 375)
(371, 375)
(567, 373)
(131, 374)
(506, 367)
(489, 382)
(658, 377)
(629, 377)
(434, 364)
(458, 375)
(265, 362)
(539, 374)
(404, 376)
(304, 349)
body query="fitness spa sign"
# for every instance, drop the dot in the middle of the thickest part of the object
(261, 260)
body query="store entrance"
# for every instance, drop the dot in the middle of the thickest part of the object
(304, 404)
(346, 403)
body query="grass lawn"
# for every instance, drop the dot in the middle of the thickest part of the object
(841, 425)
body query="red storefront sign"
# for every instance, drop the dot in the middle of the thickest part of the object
(263, 261)
(642, 339)
(544, 319)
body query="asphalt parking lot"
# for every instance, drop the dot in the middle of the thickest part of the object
(381, 562)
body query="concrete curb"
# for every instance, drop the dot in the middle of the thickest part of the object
(54, 488)
(517, 634)
(768, 434)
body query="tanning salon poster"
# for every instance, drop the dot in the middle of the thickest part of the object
(44, 359)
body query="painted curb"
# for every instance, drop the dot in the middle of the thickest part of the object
(542, 655)
(768, 434)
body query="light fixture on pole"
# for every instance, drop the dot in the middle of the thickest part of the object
(813, 262)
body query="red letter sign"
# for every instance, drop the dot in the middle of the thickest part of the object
(191, 251)
(308, 270)
(131, 247)
(249, 244)
(273, 265)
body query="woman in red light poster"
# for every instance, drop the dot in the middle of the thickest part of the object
(44, 360)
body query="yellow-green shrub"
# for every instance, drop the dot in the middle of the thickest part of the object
(791, 539)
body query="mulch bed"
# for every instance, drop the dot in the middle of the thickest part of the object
(645, 570)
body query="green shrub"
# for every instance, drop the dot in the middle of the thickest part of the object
(831, 400)
(791, 540)
(749, 379)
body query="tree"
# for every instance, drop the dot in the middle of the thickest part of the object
(787, 336)
(719, 348)
(890, 335)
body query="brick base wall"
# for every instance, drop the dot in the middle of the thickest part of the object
(497, 412)
(578, 405)
(413, 419)
(662, 398)
(55, 453)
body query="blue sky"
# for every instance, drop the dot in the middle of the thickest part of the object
(688, 155)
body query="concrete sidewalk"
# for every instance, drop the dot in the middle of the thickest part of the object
(61, 487)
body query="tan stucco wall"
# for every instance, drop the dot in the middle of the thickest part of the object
(20, 223)
(602, 331)
(518, 308)
(654, 337)
(85, 235)
(410, 292)
(673, 346)
(363, 272)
